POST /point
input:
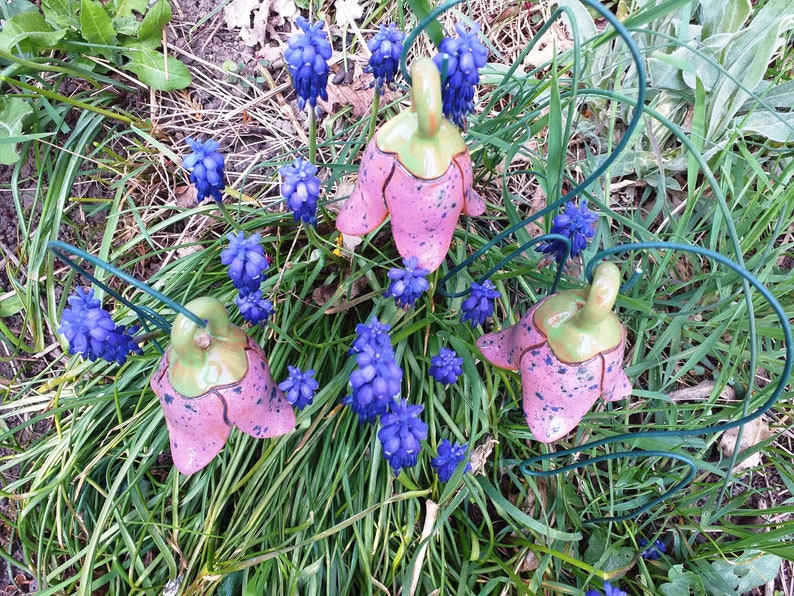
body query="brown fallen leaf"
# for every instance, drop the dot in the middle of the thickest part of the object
(358, 94)
(186, 196)
(322, 294)
(755, 432)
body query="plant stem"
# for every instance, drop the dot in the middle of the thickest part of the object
(312, 134)
(227, 216)
(72, 102)
(373, 117)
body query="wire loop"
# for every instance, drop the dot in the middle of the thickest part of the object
(62, 250)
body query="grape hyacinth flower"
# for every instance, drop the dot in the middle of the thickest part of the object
(401, 434)
(375, 382)
(246, 260)
(307, 55)
(450, 455)
(374, 334)
(407, 284)
(299, 387)
(464, 56)
(205, 165)
(446, 367)
(654, 551)
(301, 188)
(480, 304)
(378, 378)
(92, 333)
(578, 224)
(386, 47)
(253, 307)
(609, 590)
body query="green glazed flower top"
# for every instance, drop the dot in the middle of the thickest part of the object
(580, 324)
(425, 142)
(202, 358)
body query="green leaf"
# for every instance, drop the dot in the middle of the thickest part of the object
(31, 31)
(18, 7)
(682, 583)
(125, 8)
(123, 15)
(96, 25)
(422, 8)
(155, 20)
(150, 66)
(601, 555)
(61, 14)
(10, 302)
(749, 571)
(775, 126)
(126, 26)
(12, 112)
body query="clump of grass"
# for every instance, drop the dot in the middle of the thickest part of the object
(97, 506)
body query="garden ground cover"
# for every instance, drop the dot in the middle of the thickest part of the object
(130, 203)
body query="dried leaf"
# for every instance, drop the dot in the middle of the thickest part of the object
(755, 432)
(358, 95)
(701, 391)
(251, 17)
(186, 196)
(284, 9)
(347, 11)
(480, 455)
(322, 294)
(528, 563)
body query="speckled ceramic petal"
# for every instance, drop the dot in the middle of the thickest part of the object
(424, 213)
(198, 426)
(258, 407)
(365, 209)
(504, 348)
(556, 394)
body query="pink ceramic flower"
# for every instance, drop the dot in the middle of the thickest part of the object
(228, 383)
(418, 170)
(569, 351)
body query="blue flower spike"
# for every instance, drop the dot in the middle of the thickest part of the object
(254, 308)
(446, 367)
(91, 331)
(401, 434)
(374, 334)
(299, 387)
(609, 590)
(386, 47)
(480, 304)
(307, 55)
(652, 552)
(205, 165)
(378, 377)
(301, 189)
(450, 456)
(464, 57)
(246, 260)
(407, 284)
(578, 224)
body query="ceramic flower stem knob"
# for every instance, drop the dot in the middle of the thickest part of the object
(417, 169)
(569, 351)
(211, 379)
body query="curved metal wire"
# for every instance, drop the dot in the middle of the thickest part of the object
(632, 125)
(526, 465)
(62, 250)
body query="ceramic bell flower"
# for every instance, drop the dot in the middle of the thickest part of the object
(417, 169)
(569, 350)
(211, 379)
